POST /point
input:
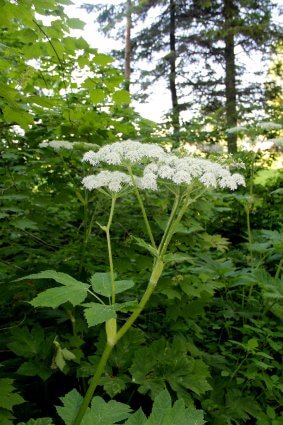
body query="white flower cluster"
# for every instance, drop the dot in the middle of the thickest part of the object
(57, 145)
(63, 144)
(162, 165)
(185, 170)
(113, 180)
(270, 125)
(124, 152)
(235, 130)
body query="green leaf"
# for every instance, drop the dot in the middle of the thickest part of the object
(34, 368)
(73, 290)
(138, 418)
(9, 398)
(39, 421)
(164, 414)
(71, 404)
(252, 344)
(76, 23)
(24, 223)
(21, 117)
(97, 96)
(102, 413)
(161, 405)
(98, 313)
(123, 285)
(121, 97)
(27, 343)
(101, 283)
(6, 417)
(102, 59)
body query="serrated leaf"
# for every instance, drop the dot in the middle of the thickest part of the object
(33, 368)
(8, 398)
(102, 413)
(138, 418)
(73, 290)
(39, 421)
(160, 408)
(98, 313)
(71, 404)
(126, 306)
(6, 417)
(27, 343)
(24, 223)
(101, 284)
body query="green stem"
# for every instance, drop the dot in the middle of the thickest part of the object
(147, 225)
(249, 231)
(93, 384)
(107, 231)
(171, 218)
(173, 226)
(279, 269)
(155, 275)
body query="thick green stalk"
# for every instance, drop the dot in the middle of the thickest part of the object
(147, 225)
(107, 231)
(93, 384)
(155, 275)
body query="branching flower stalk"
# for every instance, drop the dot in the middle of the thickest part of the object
(137, 193)
(107, 231)
(183, 172)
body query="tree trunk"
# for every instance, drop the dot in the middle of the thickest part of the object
(230, 73)
(172, 75)
(128, 45)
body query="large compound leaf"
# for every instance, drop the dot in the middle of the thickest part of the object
(164, 414)
(72, 291)
(100, 412)
(110, 413)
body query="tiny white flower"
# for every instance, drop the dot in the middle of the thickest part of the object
(209, 180)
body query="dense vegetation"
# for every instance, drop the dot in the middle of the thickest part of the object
(206, 346)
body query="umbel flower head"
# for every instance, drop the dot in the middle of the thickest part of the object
(120, 153)
(159, 166)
